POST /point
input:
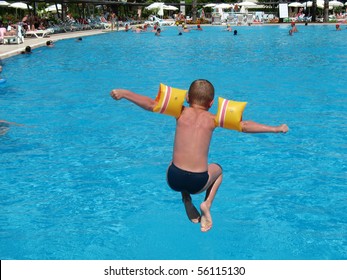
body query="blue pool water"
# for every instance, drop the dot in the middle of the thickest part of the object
(85, 177)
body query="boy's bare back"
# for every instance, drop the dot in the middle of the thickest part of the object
(192, 140)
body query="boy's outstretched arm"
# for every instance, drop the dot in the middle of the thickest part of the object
(253, 127)
(142, 101)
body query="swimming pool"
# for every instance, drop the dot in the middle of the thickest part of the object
(85, 177)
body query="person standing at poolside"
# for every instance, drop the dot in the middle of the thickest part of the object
(113, 20)
(189, 172)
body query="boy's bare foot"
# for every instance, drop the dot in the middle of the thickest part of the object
(192, 213)
(206, 219)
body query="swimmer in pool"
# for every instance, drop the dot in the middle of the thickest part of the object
(5, 126)
(189, 172)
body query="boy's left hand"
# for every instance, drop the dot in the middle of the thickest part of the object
(117, 94)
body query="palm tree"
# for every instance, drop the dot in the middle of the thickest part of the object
(194, 9)
(326, 11)
(314, 8)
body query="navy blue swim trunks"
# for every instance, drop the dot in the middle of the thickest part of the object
(186, 181)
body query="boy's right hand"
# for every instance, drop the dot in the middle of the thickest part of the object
(283, 128)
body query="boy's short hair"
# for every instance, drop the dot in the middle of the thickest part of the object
(201, 92)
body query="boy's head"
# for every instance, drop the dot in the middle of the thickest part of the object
(201, 92)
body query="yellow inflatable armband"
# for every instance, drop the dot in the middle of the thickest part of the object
(169, 100)
(229, 114)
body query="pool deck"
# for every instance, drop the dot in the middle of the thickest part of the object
(9, 50)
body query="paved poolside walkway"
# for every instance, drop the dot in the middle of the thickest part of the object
(14, 49)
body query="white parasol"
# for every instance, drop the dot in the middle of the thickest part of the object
(4, 3)
(169, 8)
(296, 5)
(247, 4)
(209, 5)
(155, 6)
(308, 4)
(320, 4)
(223, 6)
(20, 5)
(335, 3)
(53, 8)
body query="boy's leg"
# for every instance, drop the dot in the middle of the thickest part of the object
(215, 179)
(192, 213)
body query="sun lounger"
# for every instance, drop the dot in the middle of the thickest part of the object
(37, 33)
(13, 38)
(249, 19)
(2, 34)
(216, 19)
(161, 22)
(239, 19)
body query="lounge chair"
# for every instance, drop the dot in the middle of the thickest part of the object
(37, 33)
(232, 19)
(239, 19)
(2, 34)
(152, 20)
(216, 19)
(249, 19)
(14, 38)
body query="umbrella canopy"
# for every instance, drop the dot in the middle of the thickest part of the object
(296, 5)
(335, 3)
(223, 6)
(247, 4)
(320, 4)
(308, 4)
(170, 8)
(20, 5)
(53, 8)
(209, 5)
(4, 3)
(157, 5)
(161, 7)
